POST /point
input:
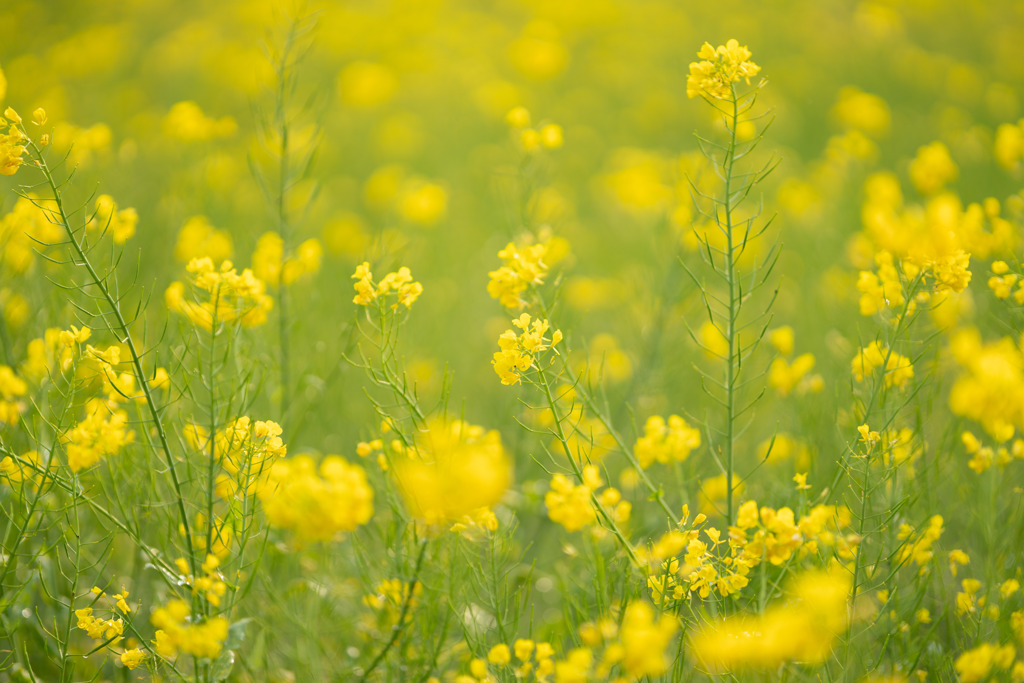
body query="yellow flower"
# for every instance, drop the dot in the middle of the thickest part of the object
(120, 224)
(499, 655)
(802, 629)
(517, 353)
(399, 283)
(932, 168)
(316, 503)
(177, 632)
(719, 69)
(977, 664)
(186, 122)
(453, 470)
(644, 641)
(664, 443)
(11, 147)
(198, 238)
(898, 369)
(234, 297)
(133, 658)
(522, 268)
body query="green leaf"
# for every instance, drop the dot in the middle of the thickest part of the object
(221, 668)
(236, 634)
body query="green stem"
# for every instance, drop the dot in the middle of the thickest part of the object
(396, 630)
(657, 493)
(577, 470)
(733, 313)
(125, 337)
(211, 469)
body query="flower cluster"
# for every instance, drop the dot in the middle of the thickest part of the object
(536, 660)
(133, 658)
(197, 238)
(13, 472)
(97, 628)
(399, 283)
(518, 351)
(547, 136)
(882, 289)
(178, 632)
(233, 297)
(718, 69)
(917, 545)
(979, 663)
(46, 357)
(990, 386)
(454, 472)
(760, 535)
(186, 122)
(110, 630)
(1008, 148)
(573, 505)
(120, 224)
(22, 231)
(12, 389)
(787, 376)
(636, 648)
(898, 370)
(391, 594)
(210, 586)
(1002, 283)
(270, 265)
(803, 628)
(522, 268)
(932, 169)
(665, 443)
(100, 434)
(244, 449)
(316, 503)
(643, 642)
(983, 457)
(938, 237)
(12, 146)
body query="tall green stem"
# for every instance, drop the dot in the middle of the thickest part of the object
(732, 315)
(124, 336)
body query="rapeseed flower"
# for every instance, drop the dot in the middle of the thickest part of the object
(316, 503)
(718, 69)
(233, 297)
(452, 471)
(666, 442)
(803, 628)
(399, 283)
(177, 632)
(518, 352)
